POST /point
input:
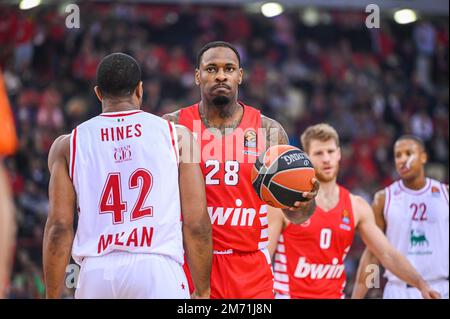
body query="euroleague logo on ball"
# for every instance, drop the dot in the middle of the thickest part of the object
(281, 175)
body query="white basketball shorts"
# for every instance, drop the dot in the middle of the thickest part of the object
(123, 275)
(399, 290)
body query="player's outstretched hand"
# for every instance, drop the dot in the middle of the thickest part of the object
(428, 293)
(309, 195)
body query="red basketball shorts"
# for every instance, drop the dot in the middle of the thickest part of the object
(242, 276)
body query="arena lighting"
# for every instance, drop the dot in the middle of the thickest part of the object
(271, 9)
(405, 16)
(28, 4)
(310, 17)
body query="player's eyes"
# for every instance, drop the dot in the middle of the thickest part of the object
(229, 69)
(210, 69)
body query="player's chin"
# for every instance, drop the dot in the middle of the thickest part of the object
(406, 175)
(325, 177)
(220, 100)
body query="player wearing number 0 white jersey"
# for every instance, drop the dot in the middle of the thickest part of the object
(123, 172)
(414, 214)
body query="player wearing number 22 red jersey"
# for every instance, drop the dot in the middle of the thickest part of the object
(231, 137)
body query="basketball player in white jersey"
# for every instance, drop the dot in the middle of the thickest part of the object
(137, 200)
(414, 214)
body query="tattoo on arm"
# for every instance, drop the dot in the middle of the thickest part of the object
(275, 133)
(173, 117)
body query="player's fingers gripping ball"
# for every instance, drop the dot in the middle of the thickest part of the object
(281, 174)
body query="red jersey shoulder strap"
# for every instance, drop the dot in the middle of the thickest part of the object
(344, 195)
(345, 203)
(188, 115)
(251, 118)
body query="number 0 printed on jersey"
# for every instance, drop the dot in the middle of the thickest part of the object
(325, 238)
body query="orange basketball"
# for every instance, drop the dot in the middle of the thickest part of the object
(281, 174)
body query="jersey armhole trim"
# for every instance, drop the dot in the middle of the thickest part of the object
(387, 202)
(173, 135)
(73, 150)
(444, 191)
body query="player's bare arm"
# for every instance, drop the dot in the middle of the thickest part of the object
(58, 234)
(7, 230)
(390, 257)
(172, 117)
(301, 211)
(197, 234)
(368, 258)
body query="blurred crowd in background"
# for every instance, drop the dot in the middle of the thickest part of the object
(371, 84)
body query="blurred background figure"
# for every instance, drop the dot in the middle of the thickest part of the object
(8, 145)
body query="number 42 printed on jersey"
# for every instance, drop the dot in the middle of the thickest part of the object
(111, 199)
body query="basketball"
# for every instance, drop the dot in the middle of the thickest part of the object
(281, 174)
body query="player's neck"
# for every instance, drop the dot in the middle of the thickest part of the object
(118, 106)
(228, 116)
(328, 190)
(328, 195)
(416, 183)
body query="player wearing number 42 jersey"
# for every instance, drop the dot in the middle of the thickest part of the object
(231, 138)
(138, 200)
(309, 258)
(414, 214)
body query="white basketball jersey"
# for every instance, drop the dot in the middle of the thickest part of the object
(417, 224)
(124, 167)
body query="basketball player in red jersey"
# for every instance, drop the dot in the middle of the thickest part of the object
(309, 258)
(134, 265)
(231, 136)
(8, 145)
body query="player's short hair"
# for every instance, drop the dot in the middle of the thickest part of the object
(118, 75)
(322, 132)
(413, 138)
(217, 44)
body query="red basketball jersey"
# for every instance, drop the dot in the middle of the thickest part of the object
(309, 260)
(238, 216)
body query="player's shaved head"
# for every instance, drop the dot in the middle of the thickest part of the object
(217, 44)
(118, 75)
(413, 138)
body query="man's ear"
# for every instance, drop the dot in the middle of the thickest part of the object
(197, 76)
(423, 158)
(241, 75)
(98, 93)
(140, 90)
